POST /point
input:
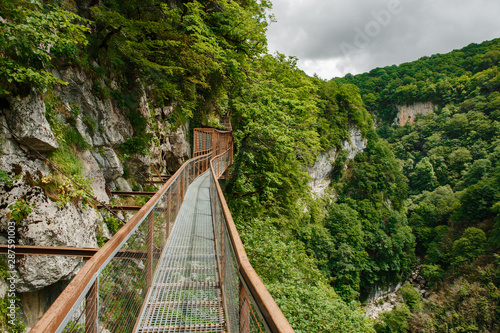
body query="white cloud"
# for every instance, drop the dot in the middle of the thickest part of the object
(335, 37)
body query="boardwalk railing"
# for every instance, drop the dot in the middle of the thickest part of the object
(108, 293)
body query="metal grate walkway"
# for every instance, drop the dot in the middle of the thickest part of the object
(185, 295)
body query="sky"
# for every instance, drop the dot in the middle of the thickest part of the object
(334, 37)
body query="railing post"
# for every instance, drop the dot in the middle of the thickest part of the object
(182, 186)
(149, 260)
(169, 207)
(91, 307)
(244, 310)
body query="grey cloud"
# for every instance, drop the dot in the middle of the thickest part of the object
(316, 30)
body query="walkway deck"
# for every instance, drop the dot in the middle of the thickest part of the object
(185, 295)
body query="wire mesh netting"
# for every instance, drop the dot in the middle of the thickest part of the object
(114, 299)
(185, 295)
(177, 270)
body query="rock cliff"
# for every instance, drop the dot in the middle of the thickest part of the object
(104, 127)
(407, 113)
(322, 170)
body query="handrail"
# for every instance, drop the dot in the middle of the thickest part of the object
(81, 283)
(217, 150)
(272, 314)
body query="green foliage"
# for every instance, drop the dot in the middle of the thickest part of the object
(113, 224)
(467, 248)
(5, 322)
(5, 178)
(31, 37)
(296, 285)
(432, 273)
(395, 321)
(20, 210)
(460, 307)
(411, 297)
(451, 160)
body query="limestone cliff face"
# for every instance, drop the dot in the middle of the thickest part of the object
(407, 113)
(322, 170)
(105, 127)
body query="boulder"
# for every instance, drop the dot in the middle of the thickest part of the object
(48, 224)
(92, 171)
(108, 161)
(26, 118)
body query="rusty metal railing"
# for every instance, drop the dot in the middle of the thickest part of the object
(109, 291)
(247, 303)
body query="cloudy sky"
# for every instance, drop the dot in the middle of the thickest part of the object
(335, 37)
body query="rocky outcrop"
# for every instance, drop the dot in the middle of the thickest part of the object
(382, 299)
(356, 143)
(104, 127)
(109, 163)
(48, 224)
(26, 118)
(322, 170)
(174, 149)
(407, 113)
(107, 125)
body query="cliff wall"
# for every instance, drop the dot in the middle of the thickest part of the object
(57, 214)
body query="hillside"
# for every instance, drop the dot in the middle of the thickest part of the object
(450, 156)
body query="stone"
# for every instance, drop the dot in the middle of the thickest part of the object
(175, 149)
(4, 287)
(113, 127)
(322, 169)
(49, 224)
(13, 159)
(122, 184)
(321, 172)
(138, 166)
(92, 171)
(108, 161)
(26, 118)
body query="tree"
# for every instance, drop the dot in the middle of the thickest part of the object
(467, 248)
(31, 36)
(423, 178)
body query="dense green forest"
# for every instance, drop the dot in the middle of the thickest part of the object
(426, 193)
(451, 160)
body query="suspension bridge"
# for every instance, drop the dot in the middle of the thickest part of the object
(178, 265)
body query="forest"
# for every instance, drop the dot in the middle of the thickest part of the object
(421, 195)
(450, 158)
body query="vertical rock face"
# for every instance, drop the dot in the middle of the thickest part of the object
(407, 113)
(322, 170)
(26, 117)
(356, 143)
(108, 124)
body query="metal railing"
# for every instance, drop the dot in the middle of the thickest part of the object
(108, 293)
(247, 303)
